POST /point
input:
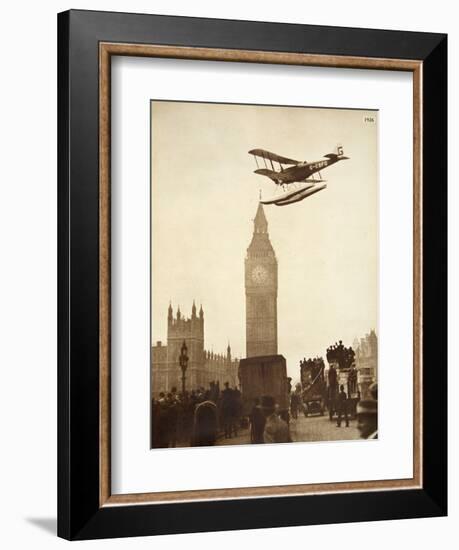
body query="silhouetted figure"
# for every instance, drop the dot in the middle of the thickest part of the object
(227, 410)
(257, 423)
(205, 424)
(186, 418)
(332, 393)
(213, 392)
(342, 407)
(332, 376)
(236, 410)
(172, 418)
(295, 403)
(162, 429)
(155, 429)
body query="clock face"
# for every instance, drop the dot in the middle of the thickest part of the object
(259, 274)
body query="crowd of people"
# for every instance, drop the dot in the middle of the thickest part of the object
(201, 416)
(197, 417)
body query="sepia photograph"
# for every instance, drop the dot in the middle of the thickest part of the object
(252, 275)
(264, 274)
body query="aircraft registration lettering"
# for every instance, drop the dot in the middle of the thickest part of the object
(319, 164)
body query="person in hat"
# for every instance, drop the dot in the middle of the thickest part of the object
(276, 430)
(227, 410)
(257, 422)
(342, 407)
(374, 390)
(367, 419)
(205, 424)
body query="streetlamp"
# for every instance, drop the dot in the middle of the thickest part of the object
(183, 360)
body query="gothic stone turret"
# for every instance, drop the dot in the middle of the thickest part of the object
(192, 331)
(203, 366)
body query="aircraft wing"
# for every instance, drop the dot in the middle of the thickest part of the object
(262, 153)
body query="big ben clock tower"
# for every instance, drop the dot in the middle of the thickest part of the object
(261, 291)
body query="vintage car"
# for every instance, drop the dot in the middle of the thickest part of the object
(313, 404)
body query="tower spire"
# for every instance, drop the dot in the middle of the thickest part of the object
(260, 291)
(260, 245)
(260, 222)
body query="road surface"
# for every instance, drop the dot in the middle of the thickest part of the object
(312, 428)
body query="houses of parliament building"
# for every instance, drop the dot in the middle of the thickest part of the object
(203, 366)
(261, 325)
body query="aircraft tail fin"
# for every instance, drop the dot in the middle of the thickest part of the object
(338, 153)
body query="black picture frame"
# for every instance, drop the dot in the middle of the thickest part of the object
(80, 515)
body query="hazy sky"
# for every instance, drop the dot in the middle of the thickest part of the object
(204, 199)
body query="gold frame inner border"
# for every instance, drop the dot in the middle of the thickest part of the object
(106, 51)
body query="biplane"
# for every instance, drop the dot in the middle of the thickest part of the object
(298, 179)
